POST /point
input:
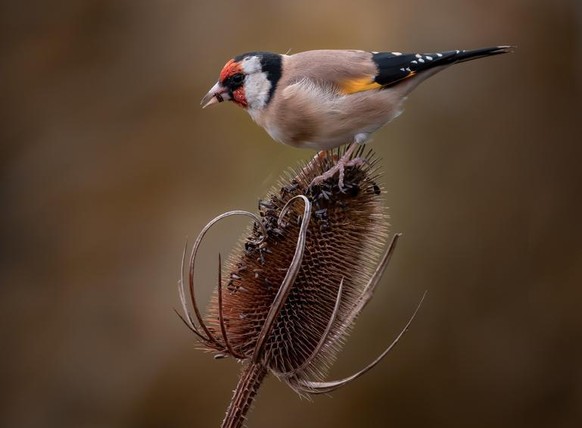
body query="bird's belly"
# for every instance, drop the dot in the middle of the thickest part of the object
(354, 119)
(321, 141)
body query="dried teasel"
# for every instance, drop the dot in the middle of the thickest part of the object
(297, 282)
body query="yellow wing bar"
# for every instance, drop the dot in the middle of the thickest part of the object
(359, 85)
(364, 84)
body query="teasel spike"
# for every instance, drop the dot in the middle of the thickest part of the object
(312, 387)
(324, 336)
(297, 281)
(221, 315)
(370, 287)
(292, 272)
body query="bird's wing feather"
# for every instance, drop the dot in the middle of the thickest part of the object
(344, 71)
(350, 71)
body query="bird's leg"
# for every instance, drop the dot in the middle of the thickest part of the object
(320, 155)
(344, 162)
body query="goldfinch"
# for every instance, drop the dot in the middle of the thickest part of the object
(322, 99)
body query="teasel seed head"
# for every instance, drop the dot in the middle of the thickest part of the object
(298, 279)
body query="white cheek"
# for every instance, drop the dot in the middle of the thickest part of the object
(251, 64)
(257, 88)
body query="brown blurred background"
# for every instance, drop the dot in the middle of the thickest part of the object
(107, 164)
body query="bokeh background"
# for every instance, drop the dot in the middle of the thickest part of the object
(107, 164)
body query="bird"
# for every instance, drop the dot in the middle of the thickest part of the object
(323, 99)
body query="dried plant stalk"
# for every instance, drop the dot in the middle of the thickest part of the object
(297, 282)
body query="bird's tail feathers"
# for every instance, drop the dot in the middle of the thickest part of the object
(462, 56)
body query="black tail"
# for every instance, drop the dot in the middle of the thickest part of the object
(462, 56)
(394, 66)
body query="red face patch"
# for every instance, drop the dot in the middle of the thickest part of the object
(239, 97)
(230, 69)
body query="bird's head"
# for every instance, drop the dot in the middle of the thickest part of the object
(248, 80)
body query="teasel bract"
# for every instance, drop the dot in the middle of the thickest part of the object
(297, 281)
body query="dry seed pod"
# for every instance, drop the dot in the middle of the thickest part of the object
(298, 280)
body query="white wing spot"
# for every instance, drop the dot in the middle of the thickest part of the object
(421, 60)
(414, 61)
(439, 55)
(418, 55)
(429, 58)
(397, 53)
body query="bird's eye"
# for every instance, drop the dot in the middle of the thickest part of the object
(238, 78)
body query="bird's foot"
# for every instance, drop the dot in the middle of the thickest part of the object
(344, 162)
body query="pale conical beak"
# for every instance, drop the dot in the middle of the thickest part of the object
(217, 94)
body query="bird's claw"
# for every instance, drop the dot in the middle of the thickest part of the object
(340, 167)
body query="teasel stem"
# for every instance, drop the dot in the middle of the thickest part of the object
(250, 380)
